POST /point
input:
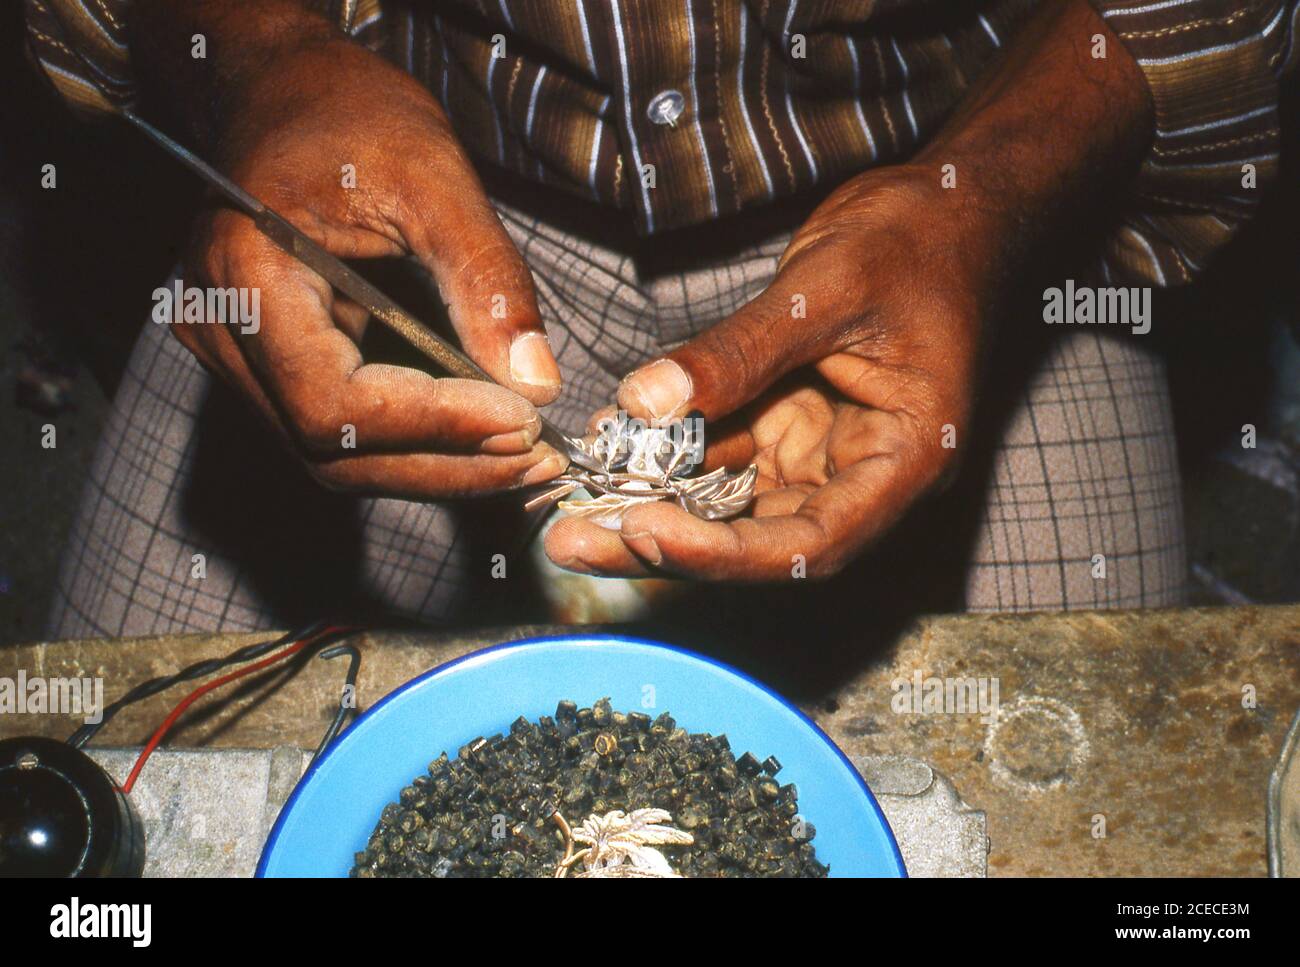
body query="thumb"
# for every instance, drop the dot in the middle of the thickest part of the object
(734, 361)
(490, 297)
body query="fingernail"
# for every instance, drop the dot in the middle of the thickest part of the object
(531, 362)
(644, 544)
(550, 467)
(661, 388)
(516, 441)
(504, 444)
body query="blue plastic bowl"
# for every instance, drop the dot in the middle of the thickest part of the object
(337, 802)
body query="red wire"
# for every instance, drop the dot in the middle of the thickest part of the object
(202, 690)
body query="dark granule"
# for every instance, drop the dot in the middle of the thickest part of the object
(490, 811)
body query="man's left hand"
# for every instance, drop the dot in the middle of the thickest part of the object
(849, 382)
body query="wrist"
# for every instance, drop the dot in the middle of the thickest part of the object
(1044, 145)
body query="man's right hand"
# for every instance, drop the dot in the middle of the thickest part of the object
(296, 120)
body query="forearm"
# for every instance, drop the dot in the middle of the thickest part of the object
(240, 40)
(1047, 140)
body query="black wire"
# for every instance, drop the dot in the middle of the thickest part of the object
(349, 684)
(199, 670)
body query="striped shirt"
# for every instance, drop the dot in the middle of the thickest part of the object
(725, 105)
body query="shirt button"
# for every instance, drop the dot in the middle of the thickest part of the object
(666, 107)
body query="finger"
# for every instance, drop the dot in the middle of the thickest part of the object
(860, 433)
(765, 549)
(426, 476)
(825, 531)
(351, 317)
(734, 361)
(601, 418)
(332, 400)
(785, 433)
(217, 351)
(456, 233)
(215, 348)
(773, 501)
(579, 545)
(733, 448)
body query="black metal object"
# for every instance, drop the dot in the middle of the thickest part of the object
(62, 815)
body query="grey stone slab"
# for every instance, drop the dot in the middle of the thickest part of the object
(937, 833)
(207, 812)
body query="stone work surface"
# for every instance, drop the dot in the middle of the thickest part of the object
(207, 812)
(1124, 743)
(1132, 720)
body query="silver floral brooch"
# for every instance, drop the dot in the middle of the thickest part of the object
(621, 845)
(629, 463)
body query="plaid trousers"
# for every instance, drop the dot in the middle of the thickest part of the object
(193, 520)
